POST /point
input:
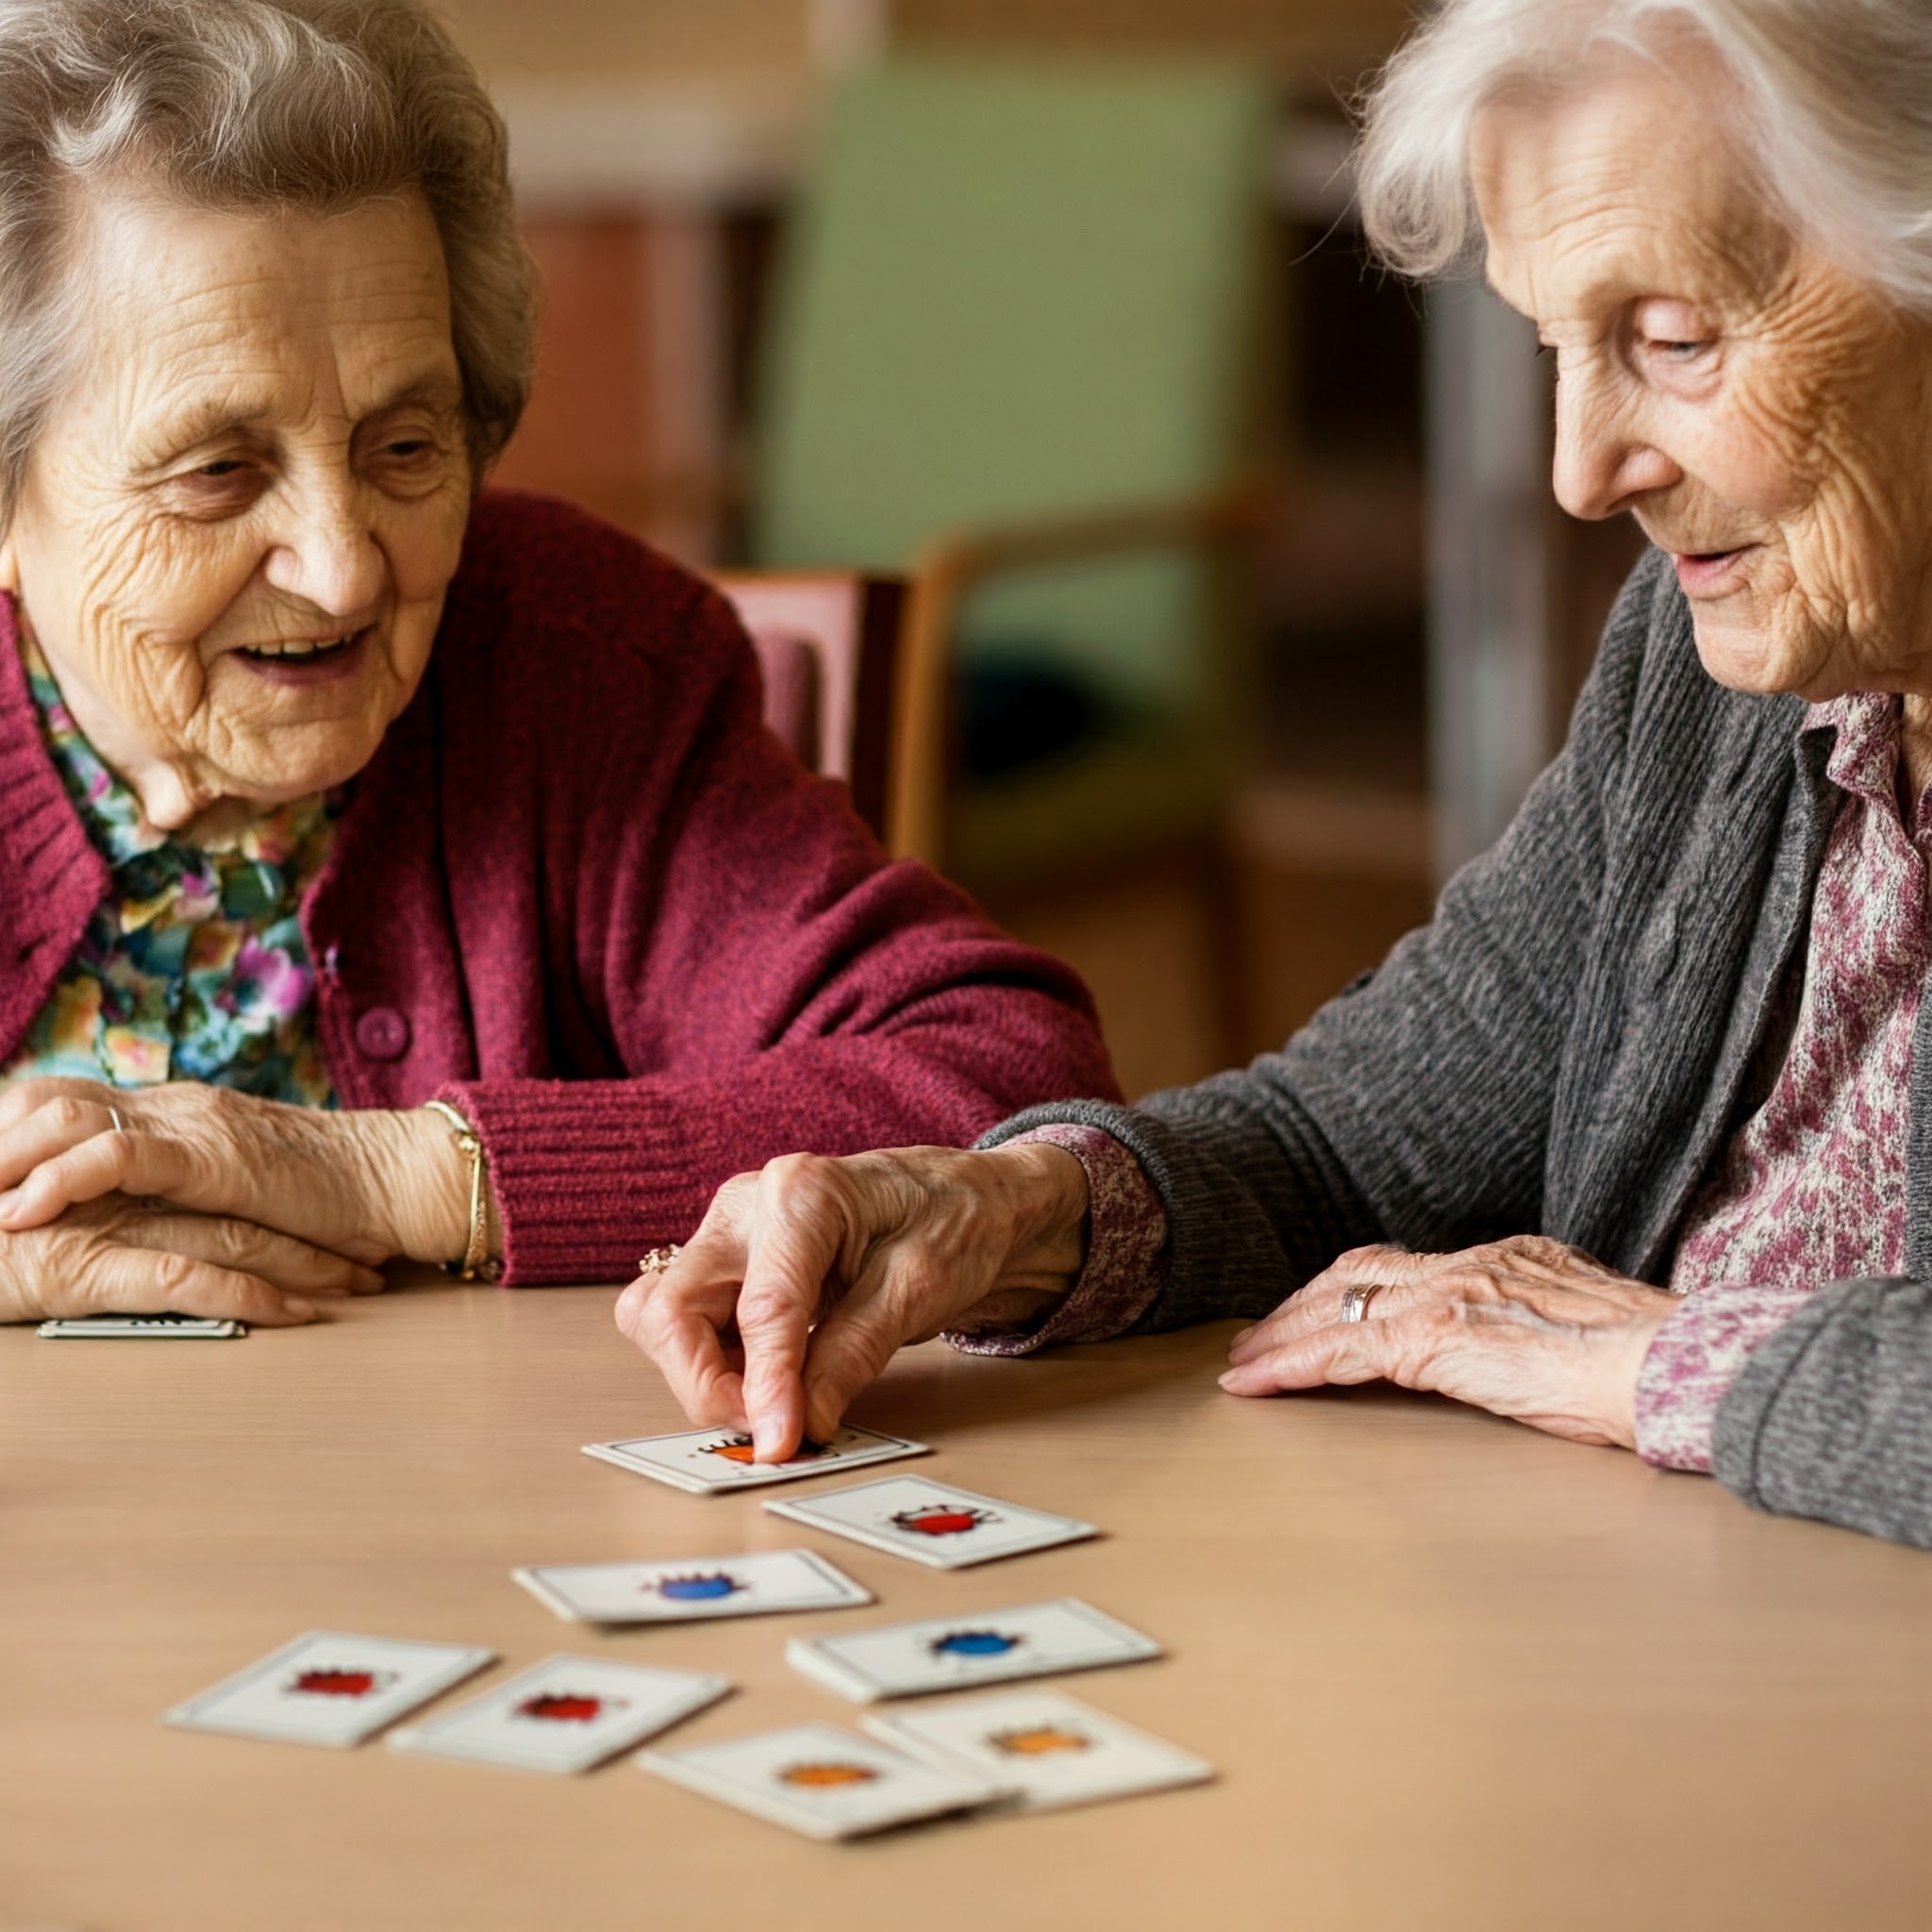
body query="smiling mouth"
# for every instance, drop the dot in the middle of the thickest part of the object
(302, 650)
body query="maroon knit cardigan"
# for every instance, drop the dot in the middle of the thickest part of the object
(584, 895)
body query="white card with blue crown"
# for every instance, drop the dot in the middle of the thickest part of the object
(964, 1652)
(685, 1589)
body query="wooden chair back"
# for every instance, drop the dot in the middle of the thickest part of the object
(828, 643)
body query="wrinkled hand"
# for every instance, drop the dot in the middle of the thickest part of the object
(366, 1185)
(804, 1278)
(125, 1257)
(1528, 1327)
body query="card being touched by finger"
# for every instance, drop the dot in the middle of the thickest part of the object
(705, 1461)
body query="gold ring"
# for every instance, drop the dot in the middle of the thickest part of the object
(659, 1258)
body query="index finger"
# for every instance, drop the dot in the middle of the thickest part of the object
(677, 1317)
(795, 1238)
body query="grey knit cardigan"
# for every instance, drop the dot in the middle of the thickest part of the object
(1600, 1000)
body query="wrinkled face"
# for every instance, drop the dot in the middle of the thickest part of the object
(1765, 415)
(243, 512)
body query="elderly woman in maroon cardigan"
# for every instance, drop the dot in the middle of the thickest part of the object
(384, 870)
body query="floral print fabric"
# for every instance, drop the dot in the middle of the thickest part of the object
(194, 967)
(1813, 1188)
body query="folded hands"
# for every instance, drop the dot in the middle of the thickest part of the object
(210, 1202)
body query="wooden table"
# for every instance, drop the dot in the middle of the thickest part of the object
(1454, 1673)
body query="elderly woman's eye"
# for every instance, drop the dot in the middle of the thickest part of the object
(226, 466)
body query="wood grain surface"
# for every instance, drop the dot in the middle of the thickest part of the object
(1454, 1673)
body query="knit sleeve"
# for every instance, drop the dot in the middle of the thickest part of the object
(758, 978)
(1415, 1108)
(1831, 1416)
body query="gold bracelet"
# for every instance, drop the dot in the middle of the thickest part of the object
(469, 1144)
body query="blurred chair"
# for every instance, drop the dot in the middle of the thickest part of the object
(828, 644)
(1013, 353)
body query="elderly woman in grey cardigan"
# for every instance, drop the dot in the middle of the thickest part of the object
(1634, 1141)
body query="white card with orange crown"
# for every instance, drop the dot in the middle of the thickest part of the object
(707, 1463)
(822, 1781)
(1050, 1749)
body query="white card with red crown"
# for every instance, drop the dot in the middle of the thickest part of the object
(822, 1781)
(330, 1688)
(708, 1462)
(934, 1523)
(566, 1714)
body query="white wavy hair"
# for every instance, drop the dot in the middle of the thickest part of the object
(320, 105)
(1832, 99)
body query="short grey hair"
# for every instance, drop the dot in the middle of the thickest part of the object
(1833, 103)
(321, 104)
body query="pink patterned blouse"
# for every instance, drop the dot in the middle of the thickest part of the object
(1813, 1188)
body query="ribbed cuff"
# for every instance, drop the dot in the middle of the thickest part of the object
(588, 1173)
(1126, 1234)
(1694, 1359)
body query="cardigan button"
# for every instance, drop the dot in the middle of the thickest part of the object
(383, 1034)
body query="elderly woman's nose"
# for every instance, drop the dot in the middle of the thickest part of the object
(1604, 462)
(330, 559)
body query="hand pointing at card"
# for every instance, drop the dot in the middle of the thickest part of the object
(806, 1277)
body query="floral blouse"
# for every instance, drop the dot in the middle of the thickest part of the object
(193, 967)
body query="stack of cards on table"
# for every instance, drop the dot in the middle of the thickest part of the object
(961, 1653)
(934, 1523)
(709, 1461)
(689, 1588)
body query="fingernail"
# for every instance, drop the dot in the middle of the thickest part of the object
(1228, 1379)
(8, 1201)
(1235, 1341)
(302, 1310)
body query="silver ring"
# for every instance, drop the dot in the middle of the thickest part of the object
(114, 1115)
(659, 1258)
(1354, 1303)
